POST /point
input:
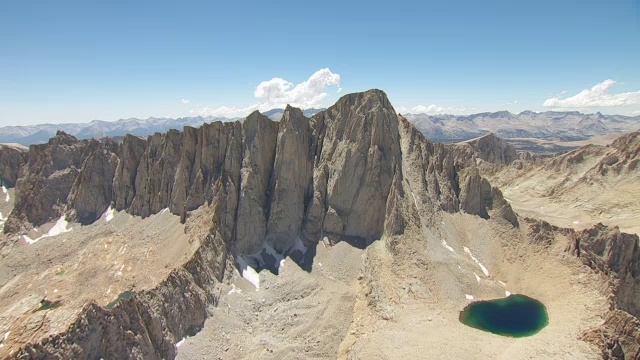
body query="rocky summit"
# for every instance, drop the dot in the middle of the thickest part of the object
(340, 173)
(134, 247)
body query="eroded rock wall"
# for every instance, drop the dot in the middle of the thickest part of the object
(336, 174)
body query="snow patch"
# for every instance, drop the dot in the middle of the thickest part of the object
(58, 228)
(108, 215)
(469, 297)
(414, 199)
(181, 342)
(506, 293)
(484, 269)
(576, 222)
(446, 246)
(6, 335)
(164, 210)
(249, 273)
(234, 290)
(508, 200)
(477, 277)
(502, 283)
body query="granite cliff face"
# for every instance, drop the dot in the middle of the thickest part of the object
(46, 180)
(336, 174)
(11, 159)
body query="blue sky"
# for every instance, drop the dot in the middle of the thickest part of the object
(73, 61)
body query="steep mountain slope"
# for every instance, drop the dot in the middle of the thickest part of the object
(565, 126)
(191, 207)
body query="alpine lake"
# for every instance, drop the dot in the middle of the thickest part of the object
(513, 316)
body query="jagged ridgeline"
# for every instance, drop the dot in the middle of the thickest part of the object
(355, 170)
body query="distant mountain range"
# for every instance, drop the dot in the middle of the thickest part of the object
(565, 126)
(38, 134)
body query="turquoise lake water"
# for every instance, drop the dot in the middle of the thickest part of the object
(515, 316)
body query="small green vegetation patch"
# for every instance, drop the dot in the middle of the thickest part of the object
(48, 305)
(123, 296)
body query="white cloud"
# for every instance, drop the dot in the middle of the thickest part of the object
(227, 111)
(184, 101)
(278, 93)
(514, 102)
(309, 93)
(431, 109)
(597, 96)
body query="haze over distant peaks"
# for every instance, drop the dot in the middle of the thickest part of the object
(566, 126)
(38, 134)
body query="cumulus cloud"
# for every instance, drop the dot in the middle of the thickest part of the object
(309, 93)
(185, 101)
(597, 96)
(431, 109)
(278, 93)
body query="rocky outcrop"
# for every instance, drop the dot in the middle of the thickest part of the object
(11, 159)
(617, 255)
(259, 150)
(92, 191)
(625, 159)
(492, 149)
(47, 179)
(290, 181)
(618, 337)
(541, 232)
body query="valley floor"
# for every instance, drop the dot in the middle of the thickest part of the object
(368, 304)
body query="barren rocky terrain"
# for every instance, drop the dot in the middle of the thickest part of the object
(594, 183)
(345, 235)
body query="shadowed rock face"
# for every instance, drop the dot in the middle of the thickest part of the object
(350, 171)
(11, 159)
